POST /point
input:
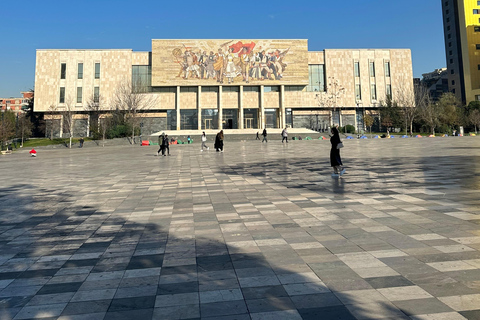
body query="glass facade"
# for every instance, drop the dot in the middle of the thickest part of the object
(271, 118)
(172, 120)
(250, 118)
(316, 78)
(142, 78)
(230, 119)
(188, 120)
(288, 118)
(209, 119)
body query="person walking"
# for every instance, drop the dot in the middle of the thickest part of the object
(264, 134)
(160, 143)
(204, 140)
(81, 142)
(335, 159)
(219, 141)
(285, 135)
(165, 146)
(258, 137)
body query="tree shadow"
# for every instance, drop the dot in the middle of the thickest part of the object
(61, 257)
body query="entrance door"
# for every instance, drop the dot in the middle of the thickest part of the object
(208, 123)
(248, 123)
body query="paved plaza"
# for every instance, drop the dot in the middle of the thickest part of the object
(261, 231)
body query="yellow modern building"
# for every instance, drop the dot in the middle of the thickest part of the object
(203, 84)
(461, 20)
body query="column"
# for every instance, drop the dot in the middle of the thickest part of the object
(199, 108)
(240, 108)
(220, 112)
(262, 109)
(177, 106)
(282, 106)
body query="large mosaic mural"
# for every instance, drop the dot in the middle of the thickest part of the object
(229, 62)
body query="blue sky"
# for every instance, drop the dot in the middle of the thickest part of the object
(29, 25)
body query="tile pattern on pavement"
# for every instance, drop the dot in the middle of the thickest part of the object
(261, 231)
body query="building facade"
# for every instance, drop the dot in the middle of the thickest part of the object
(227, 84)
(461, 23)
(17, 105)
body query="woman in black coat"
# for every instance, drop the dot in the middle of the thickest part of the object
(335, 159)
(219, 141)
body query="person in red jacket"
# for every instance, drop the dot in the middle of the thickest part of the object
(33, 153)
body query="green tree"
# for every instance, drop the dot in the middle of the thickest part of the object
(390, 114)
(25, 126)
(7, 127)
(369, 121)
(474, 118)
(449, 110)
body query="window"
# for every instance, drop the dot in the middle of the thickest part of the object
(478, 3)
(373, 91)
(477, 46)
(231, 89)
(453, 91)
(142, 78)
(80, 71)
(448, 28)
(372, 69)
(450, 52)
(316, 78)
(188, 89)
(448, 19)
(79, 94)
(449, 44)
(447, 11)
(209, 89)
(453, 71)
(358, 92)
(251, 89)
(62, 95)
(356, 68)
(63, 70)
(96, 94)
(453, 82)
(388, 90)
(294, 88)
(449, 36)
(97, 70)
(271, 89)
(478, 66)
(475, 11)
(476, 29)
(387, 69)
(167, 89)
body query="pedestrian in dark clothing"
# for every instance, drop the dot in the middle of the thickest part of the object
(264, 134)
(81, 142)
(219, 141)
(335, 159)
(285, 135)
(165, 146)
(160, 143)
(258, 137)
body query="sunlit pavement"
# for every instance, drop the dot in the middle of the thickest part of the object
(260, 231)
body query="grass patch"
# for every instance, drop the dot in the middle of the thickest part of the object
(41, 142)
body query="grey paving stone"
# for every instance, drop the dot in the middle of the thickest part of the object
(204, 235)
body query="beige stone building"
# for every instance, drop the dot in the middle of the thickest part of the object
(228, 84)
